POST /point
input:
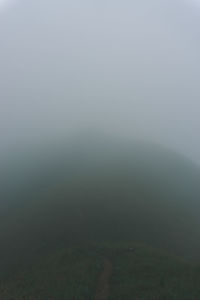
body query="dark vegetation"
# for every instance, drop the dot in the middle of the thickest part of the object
(96, 190)
(72, 273)
(67, 274)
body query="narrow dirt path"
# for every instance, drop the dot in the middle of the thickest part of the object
(102, 291)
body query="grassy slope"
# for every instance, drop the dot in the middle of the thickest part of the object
(67, 274)
(97, 191)
(153, 275)
(73, 273)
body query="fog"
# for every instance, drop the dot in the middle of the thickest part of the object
(129, 69)
(99, 149)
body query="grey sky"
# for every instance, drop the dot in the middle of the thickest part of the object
(126, 67)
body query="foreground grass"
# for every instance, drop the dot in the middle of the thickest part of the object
(68, 274)
(149, 274)
(73, 273)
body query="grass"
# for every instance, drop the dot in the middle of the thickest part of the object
(72, 274)
(68, 274)
(149, 274)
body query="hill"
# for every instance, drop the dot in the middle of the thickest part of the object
(94, 189)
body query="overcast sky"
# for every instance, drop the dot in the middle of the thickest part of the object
(127, 67)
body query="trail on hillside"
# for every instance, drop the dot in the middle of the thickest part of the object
(102, 291)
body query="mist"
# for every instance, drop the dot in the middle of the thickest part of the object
(129, 69)
(99, 149)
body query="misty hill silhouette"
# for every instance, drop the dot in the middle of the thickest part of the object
(96, 188)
